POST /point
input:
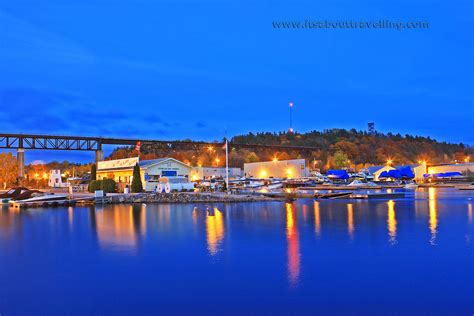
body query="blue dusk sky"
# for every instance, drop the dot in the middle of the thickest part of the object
(202, 69)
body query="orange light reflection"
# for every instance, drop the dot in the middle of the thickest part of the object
(433, 215)
(350, 220)
(293, 246)
(317, 218)
(215, 231)
(392, 222)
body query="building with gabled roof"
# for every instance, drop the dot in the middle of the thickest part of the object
(121, 170)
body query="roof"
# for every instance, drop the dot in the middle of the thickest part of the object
(373, 169)
(151, 162)
(411, 166)
(146, 163)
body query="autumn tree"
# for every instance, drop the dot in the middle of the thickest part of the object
(8, 170)
(340, 159)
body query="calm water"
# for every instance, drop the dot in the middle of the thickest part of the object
(406, 256)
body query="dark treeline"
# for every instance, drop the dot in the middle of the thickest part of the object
(336, 148)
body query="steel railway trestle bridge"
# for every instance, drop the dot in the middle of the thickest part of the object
(22, 142)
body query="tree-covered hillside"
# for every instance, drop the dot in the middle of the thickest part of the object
(335, 148)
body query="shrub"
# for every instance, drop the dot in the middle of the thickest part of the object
(94, 185)
(108, 185)
(93, 172)
(137, 186)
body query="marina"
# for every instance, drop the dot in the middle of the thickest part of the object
(296, 257)
(225, 158)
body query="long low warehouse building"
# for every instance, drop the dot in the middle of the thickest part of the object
(202, 173)
(459, 167)
(295, 168)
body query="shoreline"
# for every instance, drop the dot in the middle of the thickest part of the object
(183, 198)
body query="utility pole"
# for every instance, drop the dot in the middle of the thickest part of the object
(227, 166)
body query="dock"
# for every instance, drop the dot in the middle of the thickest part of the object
(346, 187)
(466, 187)
(357, 196)
(370, 196)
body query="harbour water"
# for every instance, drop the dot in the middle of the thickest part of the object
(409, 256)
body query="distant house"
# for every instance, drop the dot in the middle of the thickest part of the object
(121, 170)
(377, 170)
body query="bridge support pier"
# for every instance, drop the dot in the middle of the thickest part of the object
(99, 155)
(20, 158)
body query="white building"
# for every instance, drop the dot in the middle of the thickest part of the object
(459, 167)
(121, 170)
(202, 173)
(295, 168)
(55, 180)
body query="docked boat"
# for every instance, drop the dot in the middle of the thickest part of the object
(411, 186)
(37, 197)
(13, 193)
(332, 195)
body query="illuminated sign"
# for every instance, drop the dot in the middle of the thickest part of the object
(117, 164)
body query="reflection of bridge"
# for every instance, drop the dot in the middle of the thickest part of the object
(20, 142)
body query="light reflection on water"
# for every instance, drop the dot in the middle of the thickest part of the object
(392, 222)
(350, 220)
(433, 215)
(277, 248)
(215, 230)
(293, 245)
(317, 218)
(120, 228)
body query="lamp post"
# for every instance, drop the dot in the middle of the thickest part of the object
(227, 166)
(291, 117)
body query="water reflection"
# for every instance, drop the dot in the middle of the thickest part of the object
(293, 246)
(70, 216)
(119, 227)
(350, 220)
(392, 223)
(215, 230)
(317, 218)
(469, 212)
(8, 221)
(433, 215)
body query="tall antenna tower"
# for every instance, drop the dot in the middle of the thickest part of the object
(371, 127)
(291, 130)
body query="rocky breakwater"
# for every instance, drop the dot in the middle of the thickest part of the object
(182, 197)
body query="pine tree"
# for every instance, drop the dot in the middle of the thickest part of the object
(137, 180)
(93, 172)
